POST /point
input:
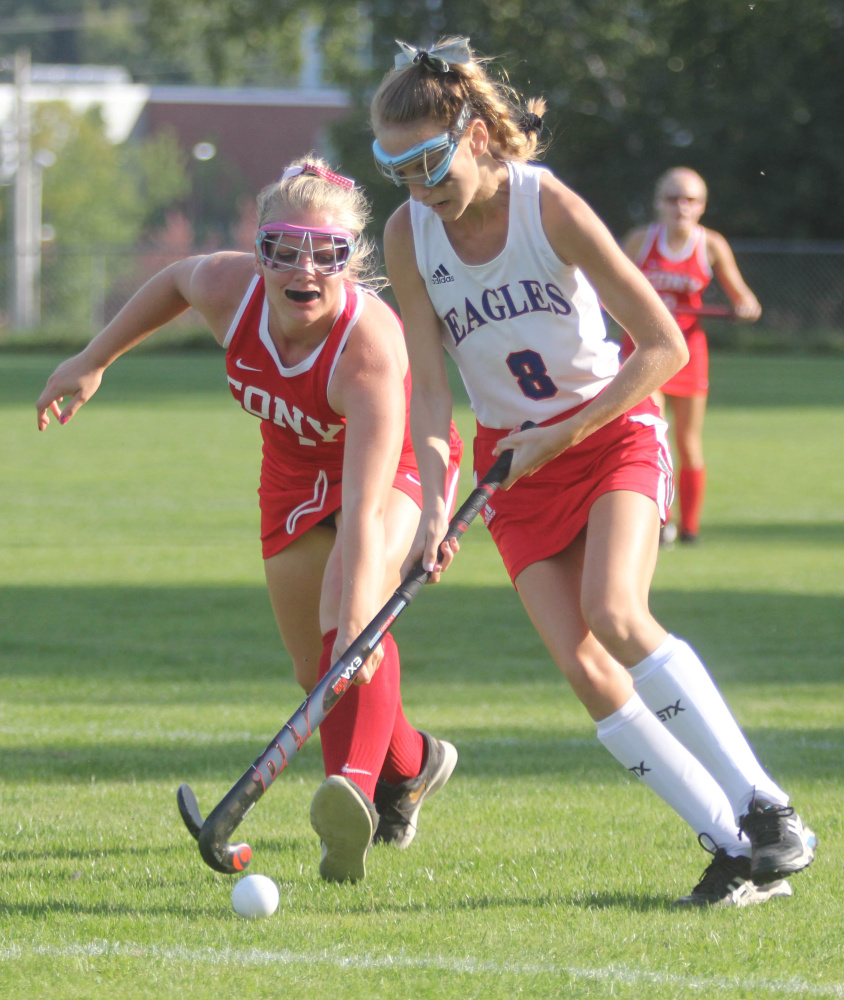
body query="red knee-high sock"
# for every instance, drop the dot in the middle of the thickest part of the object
(406, 752)
(692, 489)
(357, 731)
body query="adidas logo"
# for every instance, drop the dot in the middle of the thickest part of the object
(441, 276)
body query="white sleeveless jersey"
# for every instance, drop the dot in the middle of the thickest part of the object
(525, 329)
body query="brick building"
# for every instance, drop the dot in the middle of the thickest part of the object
(253, 131)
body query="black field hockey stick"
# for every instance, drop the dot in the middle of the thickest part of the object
(213, 833)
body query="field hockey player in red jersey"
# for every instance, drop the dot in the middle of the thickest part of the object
(680, 257)
(322, 362)
(499, 262)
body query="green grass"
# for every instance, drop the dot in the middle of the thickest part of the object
(138, 650)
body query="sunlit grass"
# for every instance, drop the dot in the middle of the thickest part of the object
(138, 650)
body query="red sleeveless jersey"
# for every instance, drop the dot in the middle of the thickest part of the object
(679, 276)
(304, 438)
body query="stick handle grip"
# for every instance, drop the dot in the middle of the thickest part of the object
(417, 576)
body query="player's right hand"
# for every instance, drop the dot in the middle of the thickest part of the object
(75, 378)
(436, 554)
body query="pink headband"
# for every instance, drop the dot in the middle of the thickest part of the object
(287, 227)
(323, 172)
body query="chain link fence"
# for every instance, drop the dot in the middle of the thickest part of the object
(800, 286)
(78, 291)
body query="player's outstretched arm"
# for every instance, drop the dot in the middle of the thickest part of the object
(202, 282)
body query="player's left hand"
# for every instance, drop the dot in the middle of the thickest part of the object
(76, 378)
(532, 449)
(748, 308)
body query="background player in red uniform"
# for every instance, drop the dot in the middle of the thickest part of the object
(322, 363)
(679, 257)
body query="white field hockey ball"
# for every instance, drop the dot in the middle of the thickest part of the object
(255, 896)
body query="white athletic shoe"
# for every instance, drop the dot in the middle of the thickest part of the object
(345, 820)
(727, 882)
(781, 842)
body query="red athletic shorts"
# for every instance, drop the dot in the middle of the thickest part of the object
(542, 514)
(693, 378)
(287, 514)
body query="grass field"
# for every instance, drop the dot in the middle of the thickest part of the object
(137, 651)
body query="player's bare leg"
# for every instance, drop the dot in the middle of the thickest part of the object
(674, 684)
(688, 413)
(369, 730)
(402, 520)
(622, 543)
(688, 418)
(294, 578)
(550, 590)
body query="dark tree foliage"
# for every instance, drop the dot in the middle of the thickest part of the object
(749, 94)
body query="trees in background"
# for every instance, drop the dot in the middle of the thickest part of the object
(98, 200)
(748, 93)
(97, 193)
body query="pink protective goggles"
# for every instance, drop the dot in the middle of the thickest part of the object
(282, 245)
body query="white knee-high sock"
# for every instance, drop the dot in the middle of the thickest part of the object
(638, 742)
(677, 687)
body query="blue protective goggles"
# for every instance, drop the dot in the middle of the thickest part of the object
(427, 162)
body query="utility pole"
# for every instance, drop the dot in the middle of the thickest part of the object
(27, 225)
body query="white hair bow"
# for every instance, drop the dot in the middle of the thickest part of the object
(438, 57)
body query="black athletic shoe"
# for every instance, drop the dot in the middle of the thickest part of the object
(726, 881)
(687, 538)
(781, 843)
(345, 820)
(398, 805)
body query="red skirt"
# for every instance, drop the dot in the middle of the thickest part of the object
(287, 514)
(693, 377)
(542, 514)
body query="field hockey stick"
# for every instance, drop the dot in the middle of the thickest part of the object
(213, 833)
(717, 312)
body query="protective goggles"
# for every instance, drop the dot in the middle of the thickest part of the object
(281, 246)
(427, 162)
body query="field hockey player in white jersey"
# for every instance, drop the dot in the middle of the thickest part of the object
(321, 362)
(495, 259)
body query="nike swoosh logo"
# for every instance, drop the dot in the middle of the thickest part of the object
(239, 364)
(413, 479)
(417, 795)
